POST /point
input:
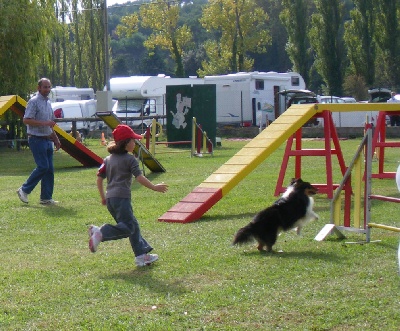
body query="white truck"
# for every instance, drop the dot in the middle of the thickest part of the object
(247, 98)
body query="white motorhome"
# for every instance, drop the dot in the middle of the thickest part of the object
(61, 93)
(143, 95)
(248, 98)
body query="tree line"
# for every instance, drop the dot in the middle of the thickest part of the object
(339, 47)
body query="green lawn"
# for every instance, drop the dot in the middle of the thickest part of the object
(50, 281)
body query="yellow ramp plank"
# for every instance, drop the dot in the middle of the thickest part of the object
(226, 169)
(6, 102)
(64, 134)
(140, 149)
(219, 178)
(250, 151)
(259, 148)
(261, 142)
(346, 107)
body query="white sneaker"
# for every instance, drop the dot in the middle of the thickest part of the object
(145, 259)
(95, 238)
(22, 195)
(48, 202)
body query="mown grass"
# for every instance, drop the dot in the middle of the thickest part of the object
(50, 281)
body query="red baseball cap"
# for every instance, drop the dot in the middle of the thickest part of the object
(122, 132)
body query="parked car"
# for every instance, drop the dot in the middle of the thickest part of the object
(349, 99)
(76, 109)
(329, 99)
(127, 110)
(379, 95)
(300, 97)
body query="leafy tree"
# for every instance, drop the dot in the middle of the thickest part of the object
(275, 58)
(327, 41)
(25, 32)
(361, 46)
(162, 18)
(298, 45)
(388, 39)
(355, 86)
(238, 27)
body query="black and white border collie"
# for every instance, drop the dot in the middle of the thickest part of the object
(292, 210)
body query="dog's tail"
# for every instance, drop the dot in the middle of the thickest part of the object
(244, 235)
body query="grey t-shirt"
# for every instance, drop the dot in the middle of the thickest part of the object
(119, 170)
(39, 108)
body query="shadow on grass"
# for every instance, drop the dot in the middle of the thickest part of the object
(51, 210)
(226, 217)
(143, 277)
(307, 255)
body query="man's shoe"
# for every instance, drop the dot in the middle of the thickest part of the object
(95, 237)
(145, 259)
(48, 202)
(22, 195)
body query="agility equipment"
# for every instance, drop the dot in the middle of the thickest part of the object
(140, 150)
(68, 143)
(200, 143)
(330, 137)
(379, 144)
(218, 184)
(336, 225)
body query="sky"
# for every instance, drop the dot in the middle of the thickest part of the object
(115, 2)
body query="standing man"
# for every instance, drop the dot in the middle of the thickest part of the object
(39, 119)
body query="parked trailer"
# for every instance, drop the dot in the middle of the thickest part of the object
(248, 98)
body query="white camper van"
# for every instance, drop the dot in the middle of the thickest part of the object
(248, 98)
(245, 98)
(145, 95)
(61, 93)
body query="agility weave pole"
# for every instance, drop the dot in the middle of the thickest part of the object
(199, 139)
(336, 225)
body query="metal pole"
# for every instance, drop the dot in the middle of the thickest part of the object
(368, 182)
(106, 50)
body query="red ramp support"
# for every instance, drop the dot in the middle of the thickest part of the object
(328, 152)
(379, 144)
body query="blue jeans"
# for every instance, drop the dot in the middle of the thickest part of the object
(42, 150)
(127, 226)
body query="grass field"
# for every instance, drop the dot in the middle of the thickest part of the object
(50, 281)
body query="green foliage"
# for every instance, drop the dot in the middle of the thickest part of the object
(359, 38)
(298, 44)
(50, 280)
(64, 40)
(355, 85)
(326, 37)
(240, 27)
(163, 18)
(388, 40)
(26, 29)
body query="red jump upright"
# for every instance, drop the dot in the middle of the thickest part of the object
(330, 136)
(379, 144)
